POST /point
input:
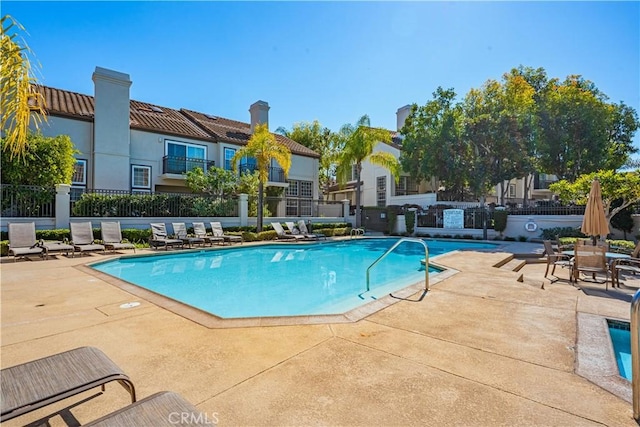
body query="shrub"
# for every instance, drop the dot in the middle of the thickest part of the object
(558, 232)
(410, 221)
(500, 220)
(522, 238)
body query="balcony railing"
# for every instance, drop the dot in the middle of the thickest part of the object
(180, 165)
(275, 174)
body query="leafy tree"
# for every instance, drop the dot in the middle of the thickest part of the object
(623, 186)
(322, 141)
(216, 182)
(623, 220)
(18, 96)
(46, 161)
(432, 146)
(359, 142)
(248, 183)
(264, 147)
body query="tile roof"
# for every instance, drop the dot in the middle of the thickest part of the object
(149, 117)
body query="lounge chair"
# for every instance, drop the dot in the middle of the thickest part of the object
(22, 240)
(217, 231)
(180, 232)
(33, 385)
(164, 409)
(304, 230)
(112, 237)
(282, 235)
(53, 247)
(201, 231)
(296, 232)
(82, 237)
(556, 259)
(160, 238)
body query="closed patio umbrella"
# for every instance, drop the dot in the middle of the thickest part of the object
(595, 221)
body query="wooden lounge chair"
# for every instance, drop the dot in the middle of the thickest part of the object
(112, 237)
(82, 237)
(159, 237)
(201, 231)
(282, 235)
(33, 385)
(180, 232)
(22, 240)
(216, 230)
(164, 409)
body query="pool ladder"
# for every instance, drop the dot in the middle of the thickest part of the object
(395, 245)
(635, 354)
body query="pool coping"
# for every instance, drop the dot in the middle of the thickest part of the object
(595, 357)
(213, 321)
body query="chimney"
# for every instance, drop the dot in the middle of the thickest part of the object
(401, 115)
(111, 132)
(259, 114)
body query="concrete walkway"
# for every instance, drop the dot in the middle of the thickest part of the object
(481, 349)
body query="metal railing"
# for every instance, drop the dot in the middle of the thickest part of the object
(275, 174)
(395, 245)
(635, 354)
(180, 165)
(27, 201)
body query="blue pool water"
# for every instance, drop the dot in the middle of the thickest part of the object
(281, 280)
(621, 340)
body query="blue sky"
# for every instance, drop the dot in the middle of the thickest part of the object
(330, 61)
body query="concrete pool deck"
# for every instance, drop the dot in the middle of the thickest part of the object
(482, 348)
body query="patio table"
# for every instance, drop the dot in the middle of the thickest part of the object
(611, 256)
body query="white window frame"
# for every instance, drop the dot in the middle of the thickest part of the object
(186, 144)
(512, 191)
(82, 183)
(381, 191)
(224, 157)
(139, 188)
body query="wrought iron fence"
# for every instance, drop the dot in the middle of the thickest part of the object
(28, 201)
(105, 203)
(474, 217)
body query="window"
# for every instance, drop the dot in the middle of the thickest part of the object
(354, 172)
(78, 180)
(299, 198)
(182, 157)
(381, 191)
(228, 156)
(406, 186)
(512, 190)
(80, 173)
(140, 177)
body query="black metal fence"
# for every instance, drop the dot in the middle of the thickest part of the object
(27, 201)
(105, 203)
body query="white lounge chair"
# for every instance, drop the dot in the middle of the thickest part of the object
(216, 230)
(282, 235)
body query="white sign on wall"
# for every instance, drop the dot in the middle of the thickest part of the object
(453, 218)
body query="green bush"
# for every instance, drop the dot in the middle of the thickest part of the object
(500, 220)
(522, 238)
(558, 232)
(410, 221)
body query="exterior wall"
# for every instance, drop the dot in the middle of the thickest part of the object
(305, 169)
(371, 172)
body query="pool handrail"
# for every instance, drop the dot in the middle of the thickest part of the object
(635, 354)
(395, 245)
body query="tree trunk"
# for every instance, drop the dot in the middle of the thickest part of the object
(526, 191)
(358, 169)
(260, 202)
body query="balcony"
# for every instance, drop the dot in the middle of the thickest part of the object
(172, 165)
(276, 175)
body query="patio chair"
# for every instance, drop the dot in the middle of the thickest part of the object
(304, 230)
(54, 246)
(201, 231)
(180, 232)
(112, 237)
(217, 231)
(282, 235)
(164, 409)
(82, 237)
(626, 265)
(296, 232)
(160, 238)
(22, 240)
(590, 260)
(33, 385)
(555, 259)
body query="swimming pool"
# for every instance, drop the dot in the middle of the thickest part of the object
(621, 339)
(282, 279)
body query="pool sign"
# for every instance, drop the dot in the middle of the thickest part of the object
(453, 218)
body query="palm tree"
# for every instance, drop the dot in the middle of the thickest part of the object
(17, 94)
(359, 142)
(263, 147)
